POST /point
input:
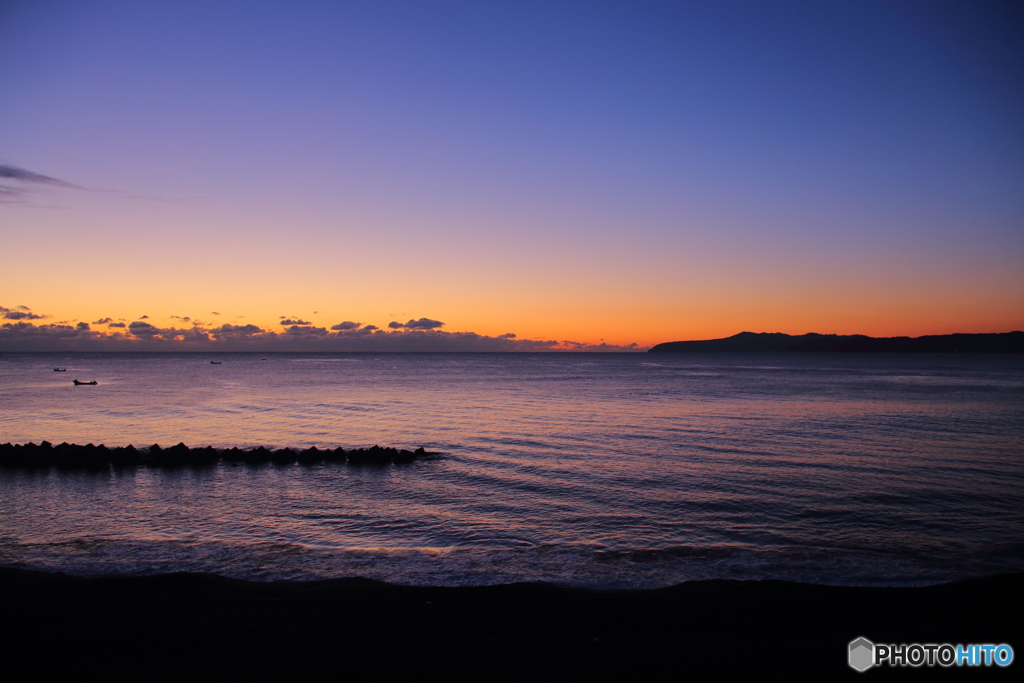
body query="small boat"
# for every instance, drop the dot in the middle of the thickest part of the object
(79, 384)
(60, 369)
(215, 362)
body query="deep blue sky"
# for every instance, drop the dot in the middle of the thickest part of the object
(629, 171)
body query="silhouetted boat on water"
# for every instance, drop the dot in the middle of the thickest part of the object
(215, 362)
(60, 369)
(78, 383)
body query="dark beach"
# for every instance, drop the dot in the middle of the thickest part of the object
(207, 625)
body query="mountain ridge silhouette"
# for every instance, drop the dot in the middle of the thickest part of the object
(778, 342)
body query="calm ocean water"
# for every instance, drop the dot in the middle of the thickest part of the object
(604, 470)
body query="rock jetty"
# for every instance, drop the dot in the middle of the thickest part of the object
(91, 457)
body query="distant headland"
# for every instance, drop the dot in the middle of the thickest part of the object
(777, 342)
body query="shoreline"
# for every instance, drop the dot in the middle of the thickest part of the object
(351, 625)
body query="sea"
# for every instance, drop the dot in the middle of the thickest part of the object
(607, 471)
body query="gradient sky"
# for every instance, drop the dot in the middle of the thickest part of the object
(627, 172)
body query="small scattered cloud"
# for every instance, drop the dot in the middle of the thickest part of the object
(214, 313)
(421, 324)
(346, 325)
(143, 317)
(370, 328)
(17, 185)
(424, 324)
(20, 313)
(295, 322)
(15, 173)
(103, 321)
(82, 326)
(183, 319)
(115, 324)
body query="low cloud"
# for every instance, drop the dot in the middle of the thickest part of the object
(421, 324)
(306, 330)
(23, 336)
(20, 313)
(152, 333)
(348, 336)
(229, 331)
(602, 347)
(103, 321)
(141, 329)
(289, 321)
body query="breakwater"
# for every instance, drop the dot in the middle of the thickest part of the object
(89, 456)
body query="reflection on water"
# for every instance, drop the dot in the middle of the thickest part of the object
(838, 468)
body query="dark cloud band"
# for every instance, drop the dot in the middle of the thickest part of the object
(300, 336)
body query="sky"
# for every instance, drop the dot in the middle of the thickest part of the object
(506, 175)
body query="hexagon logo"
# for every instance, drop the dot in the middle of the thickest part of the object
(862, 654)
